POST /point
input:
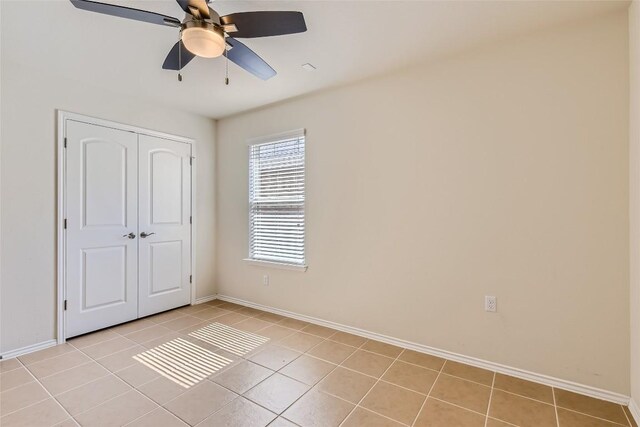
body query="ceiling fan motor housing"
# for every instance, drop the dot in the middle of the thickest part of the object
(203, 38)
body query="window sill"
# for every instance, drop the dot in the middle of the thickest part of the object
(272, 264)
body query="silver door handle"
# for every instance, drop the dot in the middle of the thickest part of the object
(145, 234)
(130, 235)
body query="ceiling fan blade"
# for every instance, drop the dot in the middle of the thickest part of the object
(176, 57)
(126, 12)
(199, 5)
(249, 60)
(266, 23)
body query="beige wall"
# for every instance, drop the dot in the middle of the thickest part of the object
(28, 243)
(502, 171)
(634, 182)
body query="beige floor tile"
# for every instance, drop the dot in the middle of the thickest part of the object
(240, 413)
(368, 363)
(270, 317)
(440, 414)
(74, 377)
(524, 388)
(15, 378)
(382, 348)
(492, 422)
(165, 317)
(332, 351)
(590, 406)
(58, 364)
(630, 416)
(161, 390)
(7, 365)
(346, 384)
(210, 313)
(394, 402)
(363, 417)
(290, 323)
(252, 325)
(275, 357)
(276, 332)
(93, 338)
(282, 422)
(191, 309)
(137, 374)
(521, 411)
(574, 419)
(148, 334)
(45, 414)
(85, 397)
(199, 402)
(105, 348)
(249, 311)
(158, 418)
(163, 339)
(38, 356)
(242, 377)
(320, 331)
(468, 372)
(117, 412)
(461, 392)
(348, 339)
(135, 326)
(308, 370)
(316, 409)
(216, 302)
(230, 306)
(424, 360)
(411, 376)
(20, 397)
(277, 392)
(120, 360)
(69, 422)
(232, 318)
(181, 322)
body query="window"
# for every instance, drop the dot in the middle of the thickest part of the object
(276, 199)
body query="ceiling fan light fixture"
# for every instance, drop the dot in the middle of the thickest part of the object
(203, 39)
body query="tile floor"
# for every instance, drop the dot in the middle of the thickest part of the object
(221, 364)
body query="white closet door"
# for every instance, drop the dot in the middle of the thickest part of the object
(101, 212)
(164, 224)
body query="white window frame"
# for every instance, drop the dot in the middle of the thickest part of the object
(269, 139)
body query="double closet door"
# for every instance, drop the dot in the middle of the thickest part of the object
(128, 226)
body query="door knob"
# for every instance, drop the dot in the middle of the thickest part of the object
(145, 234)
(130, 235)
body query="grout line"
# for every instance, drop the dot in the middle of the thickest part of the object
(458, 406)
(493, 382)
(555, 406)
(428, 394)
(591, 416)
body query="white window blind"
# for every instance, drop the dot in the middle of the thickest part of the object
(276, 200)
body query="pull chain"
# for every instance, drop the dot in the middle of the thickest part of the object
(226, 65)
(180, 59)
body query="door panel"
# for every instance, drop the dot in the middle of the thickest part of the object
(101, 208)
(164, 210)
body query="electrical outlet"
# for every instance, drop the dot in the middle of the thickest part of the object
(265, 280)
(490, 304)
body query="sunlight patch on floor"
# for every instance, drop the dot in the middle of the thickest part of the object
(233, 340)
(183, 362)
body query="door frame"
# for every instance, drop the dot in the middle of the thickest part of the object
(61, 285)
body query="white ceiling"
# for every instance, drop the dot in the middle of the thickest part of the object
(346, 41)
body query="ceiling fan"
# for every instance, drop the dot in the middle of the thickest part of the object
(205, 33)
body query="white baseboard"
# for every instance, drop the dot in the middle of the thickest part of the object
(205, 299)
(503, 369)
(635, 410)
(28, 349)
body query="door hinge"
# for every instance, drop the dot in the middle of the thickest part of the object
(65, 223)
(191, 278)
(190, 160)
(65, 305)
(65, 142)
(190, 220)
